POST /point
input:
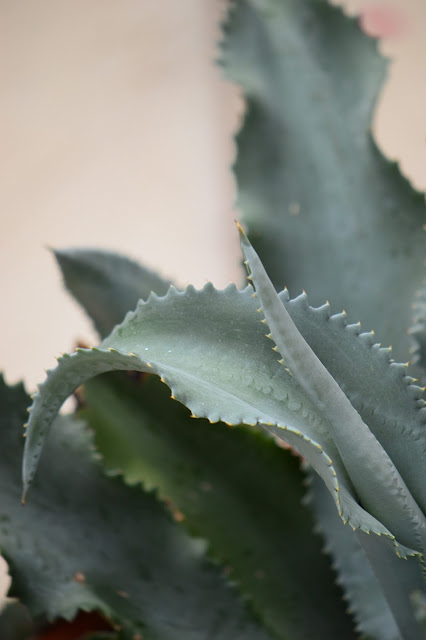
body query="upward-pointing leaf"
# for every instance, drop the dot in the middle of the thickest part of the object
(376, 480)
(313, 189)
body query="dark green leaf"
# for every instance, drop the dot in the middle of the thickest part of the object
(313, 189)
(235, 488)
(86, 541)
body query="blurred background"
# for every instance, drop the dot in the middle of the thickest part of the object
(117, 132)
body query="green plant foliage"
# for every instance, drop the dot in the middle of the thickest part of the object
(376, 480)
(210, 348)
(15, 622)
(367, 601)
(234, 488)
(312, 187)
(87, 541)
(216, 500)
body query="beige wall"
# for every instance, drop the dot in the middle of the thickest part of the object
(400, 120)
(116, 132)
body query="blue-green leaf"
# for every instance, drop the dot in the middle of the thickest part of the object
(231, 486)
(377, 482)
(312, 187)
(86, 541)
(364, 594)
(210, 348)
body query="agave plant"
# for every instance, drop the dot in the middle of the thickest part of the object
(216, 542)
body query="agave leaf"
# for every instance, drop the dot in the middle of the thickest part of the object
(313, 188)
(106, 284)
(210, 348)
(376, 479)
(254, 521)
(363, 592)
(86, 541)
(377, 387)
(398, 582)
(418, 329)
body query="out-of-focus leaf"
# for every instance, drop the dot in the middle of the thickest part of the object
(312, 187)
(86, 541)
(106, 284)
(233, 487)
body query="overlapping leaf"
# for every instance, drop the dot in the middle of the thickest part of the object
(210, 348)
(313, 189)
(363, 592)
(233, 487)
(91, 542)
(376, 479)
(208, 473)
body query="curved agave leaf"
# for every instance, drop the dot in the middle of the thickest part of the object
(377, 387)
(207, 470)
(106, 284)
(377, 481)
(312, 187)
(86, 541)
(230, 373)
(209, 347)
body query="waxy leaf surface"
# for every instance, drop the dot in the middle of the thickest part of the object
(210, 348)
